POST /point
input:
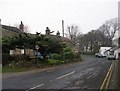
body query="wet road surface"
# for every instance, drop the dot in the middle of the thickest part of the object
(88, 74)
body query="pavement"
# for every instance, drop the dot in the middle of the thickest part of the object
(88, 74)
(119, 73)
(114, 77)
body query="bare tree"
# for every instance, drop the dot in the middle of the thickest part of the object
(92, 41)
(25, 29)
(72, 33)
(109, 28)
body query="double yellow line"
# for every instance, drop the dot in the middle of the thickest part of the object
(107, 79)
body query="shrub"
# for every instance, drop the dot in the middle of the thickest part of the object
(5, 58)
(21, 57)
(67, 49)
(61, 61)
(76, 55)
(69, 55)
(53, 62)
(55, 56)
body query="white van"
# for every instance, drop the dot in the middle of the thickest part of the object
(103, 51)
(111, 55)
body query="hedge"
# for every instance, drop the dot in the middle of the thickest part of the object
(69, 55)
(56, 56)
(67, 49)
(53, 62)
(5, 58)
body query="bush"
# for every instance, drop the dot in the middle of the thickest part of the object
(61, 61)
(55, 56)
(67, 49)
(76, 55)
(20, 57)
(53, 62)
(69, 55)
(5, 58)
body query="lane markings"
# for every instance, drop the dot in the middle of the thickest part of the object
(66, 75)
(107, 78)
(107, 84)
(34, 87)
(50, 81)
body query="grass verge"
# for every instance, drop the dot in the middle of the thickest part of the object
(9, 70)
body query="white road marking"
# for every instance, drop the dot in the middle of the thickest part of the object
(51, 80)
(35, 87)
(66, 75)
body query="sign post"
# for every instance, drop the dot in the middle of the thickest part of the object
(37, 48)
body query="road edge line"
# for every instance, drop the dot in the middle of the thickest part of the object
(103, 83)
(107, 84)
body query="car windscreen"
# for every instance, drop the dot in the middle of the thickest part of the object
(111, 53)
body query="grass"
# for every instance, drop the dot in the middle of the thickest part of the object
(0, 69)
(9, 70)
(6, 69)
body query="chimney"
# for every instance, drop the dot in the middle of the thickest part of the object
(58, 33)
(21, 27)
(47, 31)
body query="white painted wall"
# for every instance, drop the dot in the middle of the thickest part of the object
(119, 18)
(116, 53)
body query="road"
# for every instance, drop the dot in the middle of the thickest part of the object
(88, 74)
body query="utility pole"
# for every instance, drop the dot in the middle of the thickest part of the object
(63, 39)
(63, 29)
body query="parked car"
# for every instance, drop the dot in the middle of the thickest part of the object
(96, 54)
(100, 55)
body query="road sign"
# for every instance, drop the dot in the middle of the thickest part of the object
(37, 47)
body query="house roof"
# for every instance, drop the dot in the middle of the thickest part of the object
(11, 28)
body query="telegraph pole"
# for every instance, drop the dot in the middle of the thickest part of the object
(63, 29)
(63, 39)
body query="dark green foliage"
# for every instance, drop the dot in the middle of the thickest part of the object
(67, 49)
(20, 57)
(76, 55)
(53, 62)
(56, 56)
(5, 58)
(46, 43)
(69, 55)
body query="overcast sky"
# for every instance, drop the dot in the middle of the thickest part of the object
(39, 14)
